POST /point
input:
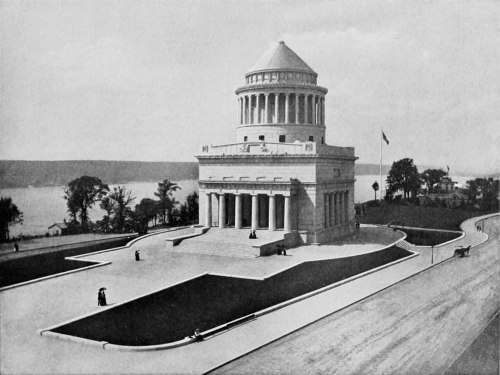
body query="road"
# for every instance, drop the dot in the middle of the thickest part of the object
(418, 326)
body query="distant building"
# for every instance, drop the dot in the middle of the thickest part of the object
(446, 184)
(57, 229)
(279, 175)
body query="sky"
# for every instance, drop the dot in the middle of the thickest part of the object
(154, 80)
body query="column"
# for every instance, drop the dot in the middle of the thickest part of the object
(346, 206)
(306, 109)
(323, 111)
(287, 107)
(272, 212)
(266, 109)
(255, 212)
(246, 109)
(222, 210)
(314, 110)
(237, 211)
(326, 209)
(276, 107)
(240, 111)
(341, 208)
(287, 219)
(337, 212)
(250, 106)
(208, 210)
(296, 108)
(331, 198)
(257, 104)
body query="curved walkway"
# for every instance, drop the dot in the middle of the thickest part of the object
(26, 309)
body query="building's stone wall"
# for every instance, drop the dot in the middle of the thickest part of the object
(271, 133)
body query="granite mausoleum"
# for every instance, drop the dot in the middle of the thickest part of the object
(279, 175)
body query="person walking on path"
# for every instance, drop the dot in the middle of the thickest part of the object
(16, 247)
(137, 255)
(101, 297)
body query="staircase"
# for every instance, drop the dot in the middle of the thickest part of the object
(405, 245)
(227, 242)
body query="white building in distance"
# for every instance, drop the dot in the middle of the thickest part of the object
(279, 175)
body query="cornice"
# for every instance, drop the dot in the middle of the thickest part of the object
(273, 86)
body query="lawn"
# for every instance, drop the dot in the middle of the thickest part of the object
(18, 270)
(210, 301)
(418, 216)
(428, 237)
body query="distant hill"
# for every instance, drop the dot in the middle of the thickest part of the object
(24, 173)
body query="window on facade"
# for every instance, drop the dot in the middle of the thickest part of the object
(261, 137)
(245, 138)
(282, 138)
(311, 138)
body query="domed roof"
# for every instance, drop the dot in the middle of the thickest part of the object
(281, 57)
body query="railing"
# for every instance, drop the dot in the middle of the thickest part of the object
(260, 148)
(270, 148)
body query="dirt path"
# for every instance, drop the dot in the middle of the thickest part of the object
(419, 326)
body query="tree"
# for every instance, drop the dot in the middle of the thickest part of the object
(489, 191)
(9, 215)
(188, 212)
(375, 188)
(166, 201)
(81, 194)
(404, 176)
(487, 188)
(431, 177)
(144, 212)
(119, 200)
(472, 190)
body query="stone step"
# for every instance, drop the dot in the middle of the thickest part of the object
(405, 245)
(228, 242)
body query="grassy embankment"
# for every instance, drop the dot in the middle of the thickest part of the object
(23, 269)
(418, 216)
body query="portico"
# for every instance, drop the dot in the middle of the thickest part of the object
(254, 210)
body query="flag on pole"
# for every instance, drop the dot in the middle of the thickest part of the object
(384, 137)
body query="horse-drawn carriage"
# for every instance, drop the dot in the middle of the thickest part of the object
(461, 251)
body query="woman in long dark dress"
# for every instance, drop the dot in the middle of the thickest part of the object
(101, 298)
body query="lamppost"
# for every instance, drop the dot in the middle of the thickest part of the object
(432, 254)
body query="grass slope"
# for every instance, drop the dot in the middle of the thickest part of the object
(418, 216)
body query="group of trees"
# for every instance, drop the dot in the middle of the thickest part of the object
(404, 178)
(83, 193)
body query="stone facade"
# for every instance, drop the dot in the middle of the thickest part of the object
(280, 174)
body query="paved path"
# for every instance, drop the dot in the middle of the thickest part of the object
(418, 326)
(26, 309)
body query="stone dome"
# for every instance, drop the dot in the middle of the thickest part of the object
(280, 58)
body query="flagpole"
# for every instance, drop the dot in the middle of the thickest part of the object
(380, 195)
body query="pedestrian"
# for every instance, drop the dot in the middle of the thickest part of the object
(251, 235)
(16, 247)
(197, 335)
(137, 257)
(284, 250)
(101, 297)
(254, 235)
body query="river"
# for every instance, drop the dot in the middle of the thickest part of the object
(43, 206)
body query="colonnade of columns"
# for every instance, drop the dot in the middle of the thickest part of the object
(336, 206)
(238, 211)
(281, 108)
